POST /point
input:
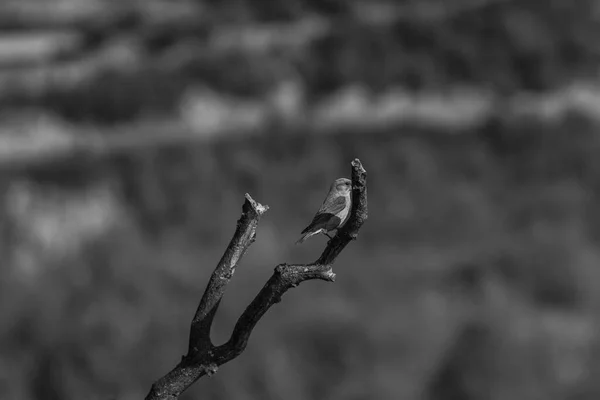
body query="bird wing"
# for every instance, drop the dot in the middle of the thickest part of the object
(329, 209)
(333, 206)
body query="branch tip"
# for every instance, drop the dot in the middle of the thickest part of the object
(256, 206)
(329, 276)
(357, 165)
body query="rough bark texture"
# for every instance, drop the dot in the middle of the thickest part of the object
(203, 358)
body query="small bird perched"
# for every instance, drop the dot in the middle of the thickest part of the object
(334, 212)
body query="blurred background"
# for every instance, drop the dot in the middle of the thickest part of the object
(130, 131)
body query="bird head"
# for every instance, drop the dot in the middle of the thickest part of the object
(342, 185)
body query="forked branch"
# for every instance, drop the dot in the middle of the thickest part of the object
(204, 358)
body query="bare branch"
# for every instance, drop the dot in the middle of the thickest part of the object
(203, 357)
(243, 238)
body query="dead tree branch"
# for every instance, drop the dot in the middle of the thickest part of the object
(203, 358)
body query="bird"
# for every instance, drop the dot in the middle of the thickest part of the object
(334, 212)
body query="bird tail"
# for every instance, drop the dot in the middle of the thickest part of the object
(307, 235)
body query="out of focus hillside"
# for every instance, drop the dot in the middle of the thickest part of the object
(130, 131)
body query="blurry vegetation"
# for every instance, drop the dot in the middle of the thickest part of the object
(476, 275)
(505, 46)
